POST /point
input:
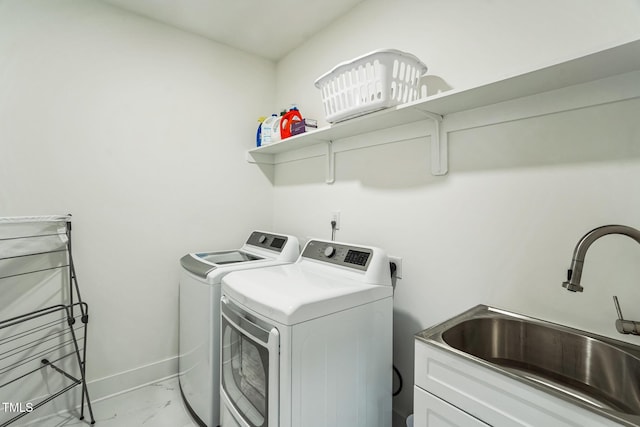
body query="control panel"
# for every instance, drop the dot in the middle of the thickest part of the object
(273, 242)
(338, 254)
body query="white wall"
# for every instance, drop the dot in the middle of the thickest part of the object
(464, 43)
(500, 228)
(140, 131)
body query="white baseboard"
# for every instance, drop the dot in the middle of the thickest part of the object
(132, 379)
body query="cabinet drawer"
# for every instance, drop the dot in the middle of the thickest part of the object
(430, 411)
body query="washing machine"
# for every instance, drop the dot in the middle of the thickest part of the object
(200, 279)
(309, 344)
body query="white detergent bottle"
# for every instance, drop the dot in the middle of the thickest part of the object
(267, 130)
(275, 130)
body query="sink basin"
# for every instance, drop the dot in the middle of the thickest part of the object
(598, 373)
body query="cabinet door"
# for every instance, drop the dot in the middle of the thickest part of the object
(430, 411)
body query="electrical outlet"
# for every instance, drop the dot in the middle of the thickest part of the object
(398, 262)
(335, 216)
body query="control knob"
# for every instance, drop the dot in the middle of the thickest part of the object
(329, 251)
(262, 239)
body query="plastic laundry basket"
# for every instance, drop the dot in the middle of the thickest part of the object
(377, 80)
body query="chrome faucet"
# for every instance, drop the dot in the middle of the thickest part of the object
(574, 275)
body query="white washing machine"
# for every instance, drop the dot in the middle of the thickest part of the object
(309, 344)
(199, 355)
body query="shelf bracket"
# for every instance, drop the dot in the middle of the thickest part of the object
(439, 149)
(439, 145)
(331, 164)
(259, 158)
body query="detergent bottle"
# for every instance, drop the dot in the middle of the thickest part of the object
(293, 115)
(259, 131)
(266, 130)
(275, 129)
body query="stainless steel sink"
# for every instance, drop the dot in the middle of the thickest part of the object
(598, 373)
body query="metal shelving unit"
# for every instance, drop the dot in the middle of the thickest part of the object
(43, 320)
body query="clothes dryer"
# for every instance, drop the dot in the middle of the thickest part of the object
(200, 279)
(309, 344)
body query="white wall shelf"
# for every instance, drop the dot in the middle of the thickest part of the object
(608, 63)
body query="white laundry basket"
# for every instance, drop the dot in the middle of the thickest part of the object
(377, 80)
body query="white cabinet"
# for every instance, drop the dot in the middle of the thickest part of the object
(430, 411)
(445, 378)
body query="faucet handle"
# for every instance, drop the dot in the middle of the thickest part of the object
(625, 326)
(617, 304)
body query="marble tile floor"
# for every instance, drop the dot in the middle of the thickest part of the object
(154, 405)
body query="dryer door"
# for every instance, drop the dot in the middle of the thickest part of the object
(250, 367)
